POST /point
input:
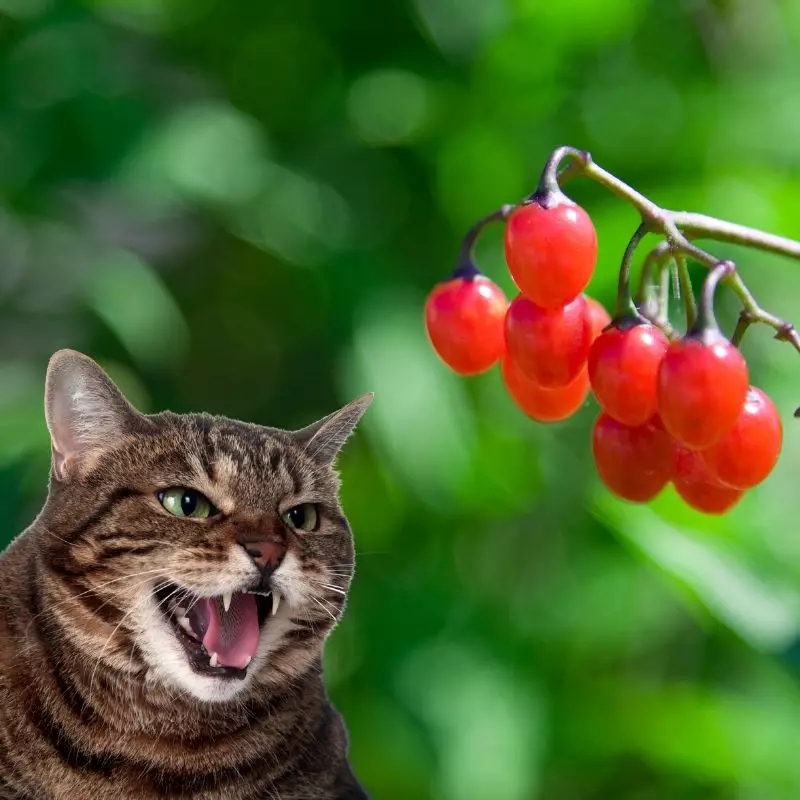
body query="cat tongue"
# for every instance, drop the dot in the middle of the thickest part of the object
(231, 634)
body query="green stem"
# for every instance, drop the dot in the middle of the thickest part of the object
(685, 283)
(742, 324)
(465, 266)
(625, 305)
(705, 323)
(657, 266)
(784, 331)
(654, 264)
(662, 319)
(679, 227)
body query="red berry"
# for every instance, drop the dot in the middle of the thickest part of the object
(551, 252)
(698, 487)
(702, 387)
(623, 370)
(746, 454)
(599, 317)
(550, 346)
(635, 463)
(464, 318)
(543, 405)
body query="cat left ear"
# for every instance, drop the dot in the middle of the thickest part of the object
(86, 413)
(324, 439)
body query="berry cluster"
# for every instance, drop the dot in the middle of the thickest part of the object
(673, 409)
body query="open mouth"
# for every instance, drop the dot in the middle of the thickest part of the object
(219, 634)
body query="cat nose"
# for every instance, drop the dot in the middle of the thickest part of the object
(267, 555)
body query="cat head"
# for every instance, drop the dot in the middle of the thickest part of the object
(191, 551)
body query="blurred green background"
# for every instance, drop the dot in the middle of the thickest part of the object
(239, 207)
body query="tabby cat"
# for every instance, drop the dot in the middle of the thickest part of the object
(162, 621)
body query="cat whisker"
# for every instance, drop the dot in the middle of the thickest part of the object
(328, 602)
(193, 603)
(329, 587)
(99, 657)
(310, 623)
(95, 589)
(50, 608)
(323, 607)
(141, 583)
(161, 603)
(54, 535)
(336, 589)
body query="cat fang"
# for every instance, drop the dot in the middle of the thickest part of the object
(220, 635)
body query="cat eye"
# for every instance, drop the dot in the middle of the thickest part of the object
(302, 518)
(186, 503)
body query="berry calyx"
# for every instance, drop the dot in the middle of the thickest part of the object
(623, 370)
(702, 385)
(635, 463)
(464, 317)
(698, 487)
(549, 345)
(551, 249)
(745, 456)
(599, 318)
(539, 403)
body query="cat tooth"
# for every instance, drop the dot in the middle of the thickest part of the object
(226, 600)
(185, 624)
(276, 601)
(213, 661)
(249, 659)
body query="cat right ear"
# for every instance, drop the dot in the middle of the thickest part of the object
(85, 411)
(325, 438)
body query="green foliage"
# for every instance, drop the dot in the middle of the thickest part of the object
(240, 206)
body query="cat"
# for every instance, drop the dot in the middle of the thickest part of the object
(162, 620)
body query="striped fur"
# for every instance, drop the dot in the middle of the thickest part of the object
(95, 700)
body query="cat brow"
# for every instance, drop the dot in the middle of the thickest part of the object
(213, 489)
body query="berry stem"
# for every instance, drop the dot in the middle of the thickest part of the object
(625, 305)
(685, 284)
(705, 323)
(466, 267)
(657, 265)
(742, 324)
(784, 331)
(679, 229)
(662, 320)
(552, 178)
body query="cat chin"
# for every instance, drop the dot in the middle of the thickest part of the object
(169, 666)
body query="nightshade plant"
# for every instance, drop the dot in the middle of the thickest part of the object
(674, 408)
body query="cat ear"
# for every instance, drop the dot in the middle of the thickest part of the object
(85, 411)
(324, 439)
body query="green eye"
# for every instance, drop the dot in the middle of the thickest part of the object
(185, 503)
(302, 518)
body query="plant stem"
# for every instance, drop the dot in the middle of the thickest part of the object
(465, 265)
(662, 320)
(685, 283)
(656, 266)
(679, 229)
(679, 226)
(625, 305)
(705, 323)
